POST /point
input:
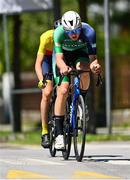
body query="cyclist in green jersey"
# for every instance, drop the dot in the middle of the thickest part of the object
(75, 46)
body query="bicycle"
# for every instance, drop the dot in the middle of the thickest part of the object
(52, 127)
(51, 122)
(77, 116)
(75, 107)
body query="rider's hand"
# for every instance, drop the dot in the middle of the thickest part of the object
(95, 68)
(40, 84)
(65, 70)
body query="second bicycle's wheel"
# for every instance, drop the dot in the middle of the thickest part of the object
(52, 140)
(52, 128)
(80, 129)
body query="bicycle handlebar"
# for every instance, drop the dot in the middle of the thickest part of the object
(73, 72)
(76, 72)
(45, 77)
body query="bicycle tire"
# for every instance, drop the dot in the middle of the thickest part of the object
(67, 141)
(52, 143)
(52, 130)
(80, 130)
(67, 132)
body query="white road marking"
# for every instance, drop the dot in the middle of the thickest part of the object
(119, 162)
(46, 162)
(29, 161)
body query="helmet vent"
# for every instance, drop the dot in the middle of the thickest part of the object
(65, 22)
(77, 20)
(71, 22)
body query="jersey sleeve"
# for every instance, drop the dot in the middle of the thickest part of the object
(92, 50)
(42, 46)
(90, 37)
(58, 37)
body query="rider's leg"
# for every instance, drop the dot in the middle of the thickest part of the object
(46, 95)
(84, 77)
(62, 92)
(46, 92)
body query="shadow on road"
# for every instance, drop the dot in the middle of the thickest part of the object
(105, 158)
(100, 158)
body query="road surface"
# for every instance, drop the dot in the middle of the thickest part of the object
(106, 160)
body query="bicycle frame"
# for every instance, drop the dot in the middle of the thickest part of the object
(76, 94)
(75, 124)
(72, 106)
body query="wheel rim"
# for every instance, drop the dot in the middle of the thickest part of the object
(80, 130)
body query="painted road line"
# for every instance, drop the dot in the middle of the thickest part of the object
(46, 162)
(84, 174)
(119, 162)
(29, 161)
(14, 174)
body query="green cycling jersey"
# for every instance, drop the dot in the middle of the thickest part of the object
(63, 42)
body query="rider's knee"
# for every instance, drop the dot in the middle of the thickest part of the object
(46, 94)
(63, 91)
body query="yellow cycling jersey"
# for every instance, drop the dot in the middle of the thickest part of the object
(46, 43)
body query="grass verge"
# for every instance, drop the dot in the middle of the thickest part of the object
(34, 137)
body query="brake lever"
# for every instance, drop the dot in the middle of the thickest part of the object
(99, 80)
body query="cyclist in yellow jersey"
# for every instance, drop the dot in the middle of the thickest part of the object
(43, 65)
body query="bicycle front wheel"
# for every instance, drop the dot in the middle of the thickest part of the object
(67, 131)
(80, 129)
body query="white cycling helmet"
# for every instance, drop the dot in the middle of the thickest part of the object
(71, 20)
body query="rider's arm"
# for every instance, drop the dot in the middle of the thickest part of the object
(64, 69)
(93, 58)
(38, 66)
(58, 38)
(40, 56)
(90, 35)
(94, 64)
(59, 60)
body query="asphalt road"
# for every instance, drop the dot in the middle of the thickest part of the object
(106, 160)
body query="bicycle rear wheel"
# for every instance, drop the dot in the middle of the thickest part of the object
(80, 130)
(52, 144)
(52, 128)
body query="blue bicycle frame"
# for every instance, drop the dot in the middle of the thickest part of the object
(73, 103)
